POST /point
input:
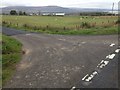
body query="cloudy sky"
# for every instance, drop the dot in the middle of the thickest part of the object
(65, 3)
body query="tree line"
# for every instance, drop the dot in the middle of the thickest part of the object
(14, 12)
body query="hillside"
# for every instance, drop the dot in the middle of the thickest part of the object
(30, 9)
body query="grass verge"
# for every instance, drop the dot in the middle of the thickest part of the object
(0, 60)
(84, 31)
(11, 55)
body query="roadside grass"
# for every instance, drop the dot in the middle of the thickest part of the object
(92, 31)
(67, 25)
(0, 60)
(84, 31)
(11, 55)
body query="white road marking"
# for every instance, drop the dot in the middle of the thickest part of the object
(73, 88)
(106, 62)
(101, 61)
(117, 50)
(84, 77)
(111, 45)
(107, 56)
(102, 64)
(110, 56)
(95, 73)
(87, 80)
(90, 77)
(98, 65)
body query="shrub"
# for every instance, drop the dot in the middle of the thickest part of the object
(85, 24)
(118, 21)
(4, 22)
(35, 28)
(25, 25)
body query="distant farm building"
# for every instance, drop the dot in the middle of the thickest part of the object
(59, 14)
(53, 14)
(113, 12)
(30, 14)
(45, 14)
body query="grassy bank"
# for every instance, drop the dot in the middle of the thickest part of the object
(0, 60)
(11, 54)
(64, 25)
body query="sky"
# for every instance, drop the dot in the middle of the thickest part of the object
(102, 4)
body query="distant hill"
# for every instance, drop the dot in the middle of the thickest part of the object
(91, 10)
(30, 9)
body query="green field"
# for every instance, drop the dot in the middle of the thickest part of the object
(63, 25)
(11, 54)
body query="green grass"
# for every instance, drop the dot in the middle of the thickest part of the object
(11, 55)
(63, 25)
(93, 31)
(68, 21)
(0, 60)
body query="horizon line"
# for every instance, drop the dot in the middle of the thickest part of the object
(58, 6)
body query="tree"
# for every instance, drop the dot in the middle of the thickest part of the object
(13, 12)
(24, 13)
(20, 13)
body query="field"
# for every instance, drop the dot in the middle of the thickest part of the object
(63, 25)
(11, 54)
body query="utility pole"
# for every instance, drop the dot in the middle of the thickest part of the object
(113, 9)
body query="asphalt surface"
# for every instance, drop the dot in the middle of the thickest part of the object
(58, 61)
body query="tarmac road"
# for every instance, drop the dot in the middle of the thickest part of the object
(58, 61)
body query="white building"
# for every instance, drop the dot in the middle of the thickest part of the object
(113, 12)
(60, 14)
(45, 14)
(53, 14)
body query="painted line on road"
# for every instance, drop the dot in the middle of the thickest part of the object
(100, 66)
(84, 77)
(73, 88)
(87, 79)
(110, 56)
(113, 44)
(117, 50)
